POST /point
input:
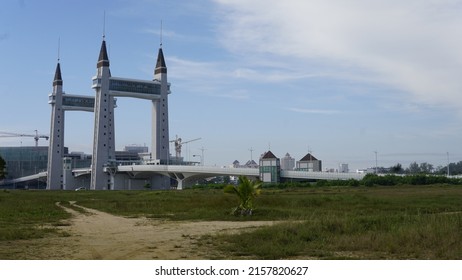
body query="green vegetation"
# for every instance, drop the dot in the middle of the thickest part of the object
(375, 236)
(371, 180)
(246, 191)
(330, 222)
(2, 168)
(379, 223)
(29, 214)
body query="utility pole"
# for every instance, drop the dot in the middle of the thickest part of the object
(376, 162)
(251, 153)
(447, 153)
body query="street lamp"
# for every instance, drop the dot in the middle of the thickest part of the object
(202, 157)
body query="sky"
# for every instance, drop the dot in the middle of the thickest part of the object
(344, 80)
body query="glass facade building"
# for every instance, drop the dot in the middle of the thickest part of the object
(25, 161)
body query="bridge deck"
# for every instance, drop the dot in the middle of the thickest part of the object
(187, 171)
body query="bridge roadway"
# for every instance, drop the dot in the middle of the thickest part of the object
(183, 172)
(34, 177)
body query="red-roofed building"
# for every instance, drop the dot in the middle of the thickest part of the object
(309, 163)
(270, 168)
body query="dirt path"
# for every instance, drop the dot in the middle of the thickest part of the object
(99, 235)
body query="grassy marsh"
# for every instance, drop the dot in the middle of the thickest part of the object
(399, 222)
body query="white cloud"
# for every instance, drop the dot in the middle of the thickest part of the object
(233, 95)
(206, 78)
(314, 111)
(271, 75)
(412, 46)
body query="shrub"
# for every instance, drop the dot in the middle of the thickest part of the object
(246, 191)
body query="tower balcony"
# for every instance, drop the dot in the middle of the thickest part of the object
(51, 98)
(96, 82)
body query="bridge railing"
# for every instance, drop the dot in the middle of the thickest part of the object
(320, 175)
(191, 169)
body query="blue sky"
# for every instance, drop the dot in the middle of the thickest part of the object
(341, 79)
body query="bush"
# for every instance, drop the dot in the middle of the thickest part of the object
(353, 183)
(419, 179)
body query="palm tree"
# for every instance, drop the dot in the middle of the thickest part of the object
(246, 191)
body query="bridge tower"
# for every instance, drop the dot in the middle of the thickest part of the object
(56, 145)
(160, 134)
(103, 135)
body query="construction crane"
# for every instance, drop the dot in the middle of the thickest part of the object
(36, 136)
(179, 142)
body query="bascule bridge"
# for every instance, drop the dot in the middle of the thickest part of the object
(102, 104)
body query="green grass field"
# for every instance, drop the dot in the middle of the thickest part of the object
(399, 222)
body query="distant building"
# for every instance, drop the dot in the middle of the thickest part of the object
(287, 162)
(365, 171)
(136, 149)
(127, 156)
(248, 164)
(251, 164)
(30, 160)
(77, 160)
(309, 163)
(270, 168)
(236, 164)
(132, 153)
(25, 161)
(343, 168)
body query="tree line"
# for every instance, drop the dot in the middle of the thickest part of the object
(422, 168)
(375, 180)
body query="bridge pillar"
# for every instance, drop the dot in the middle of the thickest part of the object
(180, 183)
(160, 133)
(103, 133)
(56, 145)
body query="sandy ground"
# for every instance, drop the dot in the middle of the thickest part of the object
(97, 235)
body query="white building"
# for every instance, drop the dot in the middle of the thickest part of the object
(287, 162)
(343, 168)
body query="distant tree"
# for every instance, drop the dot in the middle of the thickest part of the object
(414, 168)
(455, 168)
(426, 168)
(441, 170)
(2, 168)
(382, 170)
(397, 169)
(226, 179)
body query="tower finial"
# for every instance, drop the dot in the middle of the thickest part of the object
(58, 80)
(161, 33)
(59, 48)
(104, 25)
